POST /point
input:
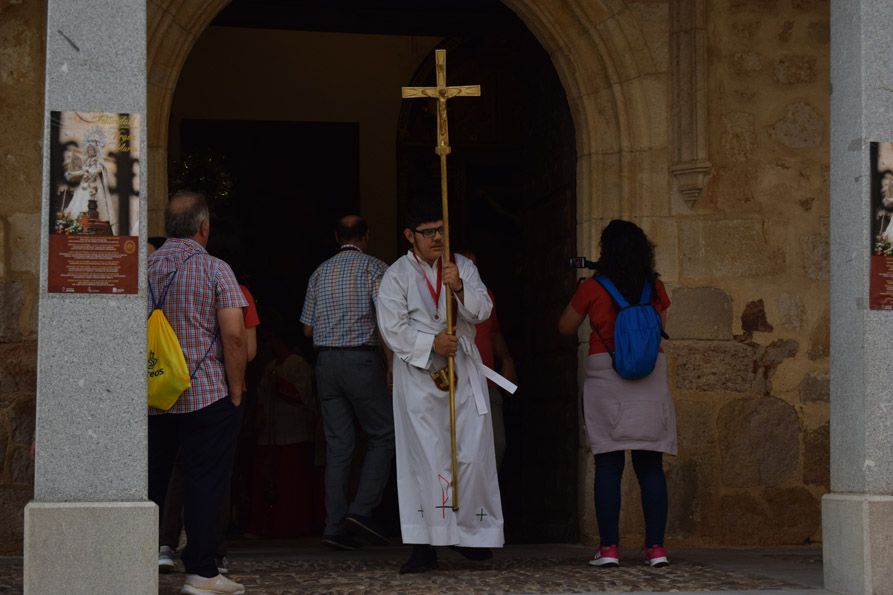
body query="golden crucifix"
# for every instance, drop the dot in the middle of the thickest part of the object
(442, 93)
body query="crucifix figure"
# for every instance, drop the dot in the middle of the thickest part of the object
(442, 93)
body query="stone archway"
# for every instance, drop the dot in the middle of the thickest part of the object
(616, 83)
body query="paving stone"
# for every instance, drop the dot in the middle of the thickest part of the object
(519, 569)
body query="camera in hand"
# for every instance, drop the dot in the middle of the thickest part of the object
(581, 262)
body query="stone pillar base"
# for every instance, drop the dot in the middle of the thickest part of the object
(91, 547)
(857, 537)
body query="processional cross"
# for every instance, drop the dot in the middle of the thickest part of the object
(442, 93)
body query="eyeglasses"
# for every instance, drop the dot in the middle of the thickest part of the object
(429, 233)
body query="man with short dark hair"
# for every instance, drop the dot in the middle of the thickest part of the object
(203, 303)
(351, 378)
(412, 311)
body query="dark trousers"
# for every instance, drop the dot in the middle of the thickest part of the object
(171, 520)
(652, 483)
(206, 441)
(354, 383)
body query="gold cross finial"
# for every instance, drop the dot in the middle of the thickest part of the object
(441, 93)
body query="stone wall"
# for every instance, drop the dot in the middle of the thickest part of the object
(749, 355)
(22, 26)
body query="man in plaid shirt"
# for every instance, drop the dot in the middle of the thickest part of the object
(204, 304)
(351, 378)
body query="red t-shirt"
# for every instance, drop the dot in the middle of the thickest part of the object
(249, 313)
(592, 299)
(483, 337)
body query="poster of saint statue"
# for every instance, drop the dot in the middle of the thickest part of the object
(880, 292)
(94, 202)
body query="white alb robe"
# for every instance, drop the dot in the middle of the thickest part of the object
(406, 320)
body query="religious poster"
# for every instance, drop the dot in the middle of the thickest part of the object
(94, 203)
(880, 291)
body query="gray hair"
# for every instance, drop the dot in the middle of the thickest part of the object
(184, 214)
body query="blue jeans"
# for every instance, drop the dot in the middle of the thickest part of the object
(652, 483)
(354, 383)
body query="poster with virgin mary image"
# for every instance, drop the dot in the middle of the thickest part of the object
(880, 291)
(94, 203)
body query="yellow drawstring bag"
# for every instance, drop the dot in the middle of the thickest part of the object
(168, 372)
(169, 375)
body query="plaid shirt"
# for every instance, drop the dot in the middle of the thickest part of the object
(203, 285)
(340, 301)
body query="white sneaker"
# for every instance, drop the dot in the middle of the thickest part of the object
(218, 585)
(166, 562)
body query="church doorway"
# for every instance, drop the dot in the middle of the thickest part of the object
(290, 115)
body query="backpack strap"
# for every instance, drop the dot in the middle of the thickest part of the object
(173, 276)
(612, 291)
(646, 294)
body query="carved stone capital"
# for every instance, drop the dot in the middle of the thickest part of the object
(691, 177)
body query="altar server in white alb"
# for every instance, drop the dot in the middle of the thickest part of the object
(412, 320)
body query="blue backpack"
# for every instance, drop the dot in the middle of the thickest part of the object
(637, 333)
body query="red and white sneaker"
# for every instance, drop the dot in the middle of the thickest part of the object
(606, 557)
(656, 556)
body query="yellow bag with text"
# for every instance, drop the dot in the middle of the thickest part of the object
(168, 373)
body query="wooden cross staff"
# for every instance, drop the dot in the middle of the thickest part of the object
(442, 93)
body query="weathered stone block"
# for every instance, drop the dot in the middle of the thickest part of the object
(760, 442)
(820, 32)
(12, 300)
(18, 367)
(820, 338)
(711, 366)
(21, 468)
(794, 70)
(24, 241)
(792, 310)
(13, 499)
(753, 5)
(778, 351)
(817, 457)
(727, 248)
(802, 127)
(683, 481)
(700, 313)
(22, 419)
(739, 135)
(787, 29)
(815, 388)
(794, 515)
(747, 62)
(742, 519)
(753, 319)
(816, 253)
(694, 426)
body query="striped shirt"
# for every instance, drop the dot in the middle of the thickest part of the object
(340, 301)
(202, 285)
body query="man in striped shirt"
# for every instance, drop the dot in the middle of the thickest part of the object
(351, 378)
(202, 300)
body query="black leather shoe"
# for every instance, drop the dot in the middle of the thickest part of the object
(422, 559)
(340, 542)
(477, 554)
(366, 527)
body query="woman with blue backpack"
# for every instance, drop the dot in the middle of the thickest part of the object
(626, 396)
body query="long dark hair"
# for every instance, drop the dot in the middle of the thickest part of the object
(627, 258)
